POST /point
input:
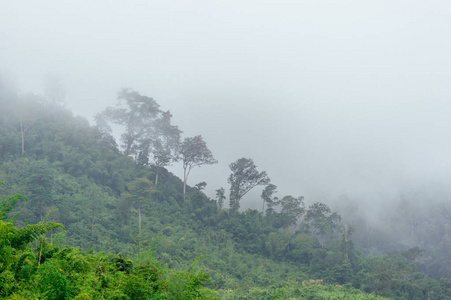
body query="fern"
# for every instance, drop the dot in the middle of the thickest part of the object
(29, 233)
(7, 205)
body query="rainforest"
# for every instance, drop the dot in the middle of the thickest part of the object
(85, 214)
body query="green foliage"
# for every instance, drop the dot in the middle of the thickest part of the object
(52, 283)
(71, 274)
(138, 116)
(194, 153)
(220, 196)
(7, 205)
(244, 178)
(321, 221)
(25, 266)
(76, 172)
(269, 199)
(139, 190)
(29, 233)
(40, 185)
(320, 292)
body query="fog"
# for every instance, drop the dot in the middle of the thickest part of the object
(329, 97)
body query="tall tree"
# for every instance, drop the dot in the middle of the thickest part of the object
(321, 221)
(292, 209)
(347, 243)
(142, 119)
(139, 190)
(194, 152)
(40, 185)
(244, 177)
(220, 195)
(25, 110)
(269, 198)
(96, 203)
(166, 146)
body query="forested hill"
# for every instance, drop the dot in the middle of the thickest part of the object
(121, 199)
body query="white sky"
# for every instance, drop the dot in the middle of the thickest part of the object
(329, 97)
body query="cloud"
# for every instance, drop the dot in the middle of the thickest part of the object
(328, 97)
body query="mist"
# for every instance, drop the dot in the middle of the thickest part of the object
(329, 98)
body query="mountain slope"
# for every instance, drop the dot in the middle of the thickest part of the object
(73, 173)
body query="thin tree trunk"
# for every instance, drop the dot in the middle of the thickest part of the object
(139, 231)
(23, 137)
(129, 146)
(130, 141)
(139, 216)
(40, 210)
(40, 251)
(23, 130)
(156, 179)
(184, 183)
(346, 241)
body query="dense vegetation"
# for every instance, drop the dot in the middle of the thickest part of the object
(133, 230)
(46, 271)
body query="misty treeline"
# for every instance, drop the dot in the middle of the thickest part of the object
(120, 199)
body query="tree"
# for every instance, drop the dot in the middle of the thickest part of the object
(25, 110)
(40, 185)
(95, 204)
(194, 152)
(220, 195)
(166, 147)
(347, 243)
(244, 177)
(139, 190)
(201, 185)
(269, 199)
(162, 157)
(292, 209)
(7, 205)
(302, 247)
(145, 124)
(321, 221)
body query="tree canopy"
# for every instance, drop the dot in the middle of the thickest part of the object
(74, 174)
(146, 126)
(194, 153)
(244, 178)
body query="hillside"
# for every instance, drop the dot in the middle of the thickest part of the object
(75, 174)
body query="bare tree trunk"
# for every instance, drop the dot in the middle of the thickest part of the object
(139, 216)
(40, 251)
(184, 183)
(156, 179)
(139, 231)
(23, 137)
(346, 242)
(23, 130)
(128, 148)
